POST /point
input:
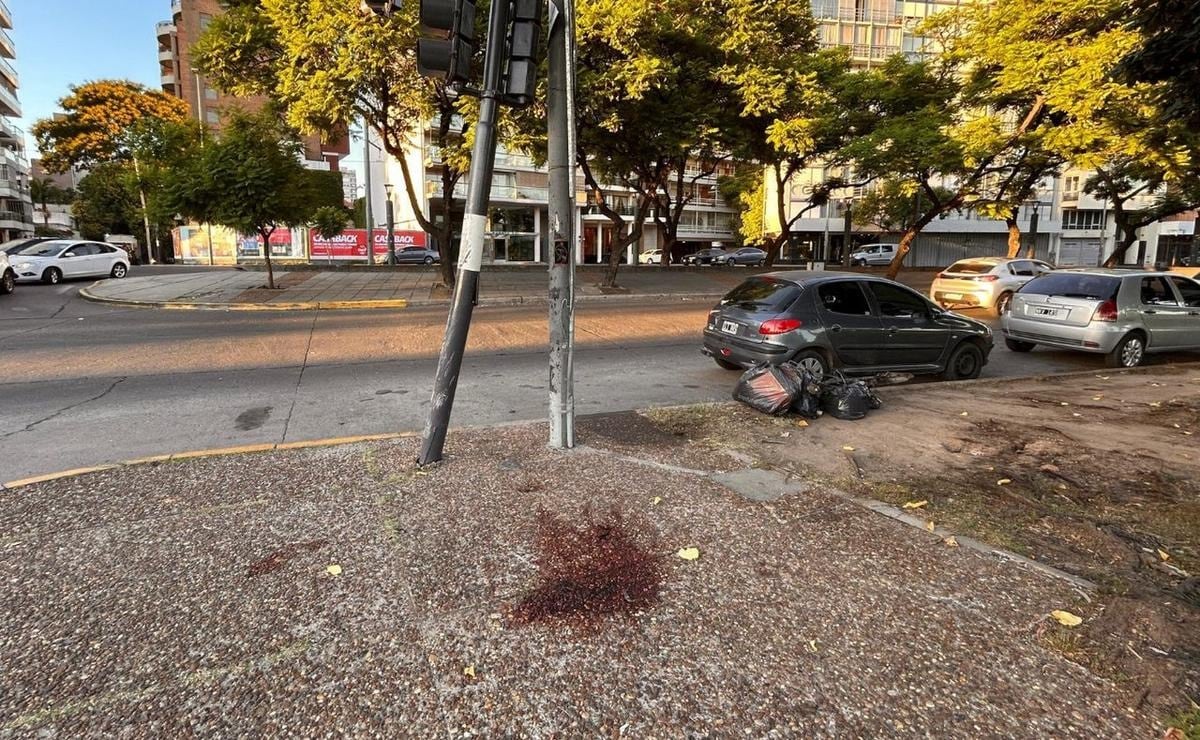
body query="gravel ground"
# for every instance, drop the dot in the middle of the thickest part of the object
(511, 591)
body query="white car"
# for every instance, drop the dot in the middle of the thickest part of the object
(8, 278)
(652, 257)
(55, 260)
(984, 282)
(873, 254)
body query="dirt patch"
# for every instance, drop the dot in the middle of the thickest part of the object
(1094, 475)
(280, 557)
(589, 573)
(629, 428)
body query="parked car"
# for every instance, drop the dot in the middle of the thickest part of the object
(652, 257)
(1120, 314)
(8, 278)
(706, 256)
(985, 282)
(856, 323)
(417, 255)
(746, 256)
(873, 254)
(53, 260)
(16, 245)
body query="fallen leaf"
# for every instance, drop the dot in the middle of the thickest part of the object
(1063, 403)
(847, 448)
(1176, 426)
(1163, 554)
(1188, 433)
(1102, 377)
(1076, 414)
(950, 541)
(1004, 481)
(1155, 404)
(1066, 619)
(688, 553)
(812, 646)
(334, 570)
(1156, 385)
(1097, 398)
(657, 500)
(469, 671)
(915, 504)
(964, 414)
(802, 423)
(929, 526)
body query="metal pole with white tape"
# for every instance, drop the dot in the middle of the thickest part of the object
(470, 250)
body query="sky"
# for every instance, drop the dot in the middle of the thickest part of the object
(66, 42)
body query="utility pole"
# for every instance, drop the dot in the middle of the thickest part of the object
(470, 250)
(560, 119)
(847, 227)
(391, 225)
(367, 201)
(1033, 230)
(200, 120)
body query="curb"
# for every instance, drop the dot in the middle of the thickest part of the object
(199, 454)
(392, 303)
(281, 306)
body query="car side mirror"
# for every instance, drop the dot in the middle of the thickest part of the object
(64, 255)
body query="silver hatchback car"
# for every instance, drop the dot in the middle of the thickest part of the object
(1118, 313)
(984, 282)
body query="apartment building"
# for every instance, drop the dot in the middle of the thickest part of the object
(517, 222)
(16, 208)
(178, 76)
(1072, 228)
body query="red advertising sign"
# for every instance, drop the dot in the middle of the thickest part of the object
(351, 244)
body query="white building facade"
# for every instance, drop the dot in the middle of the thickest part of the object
(16, 207)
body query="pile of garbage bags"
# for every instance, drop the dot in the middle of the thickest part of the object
(789, 388)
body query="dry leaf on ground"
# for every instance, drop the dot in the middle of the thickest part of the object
(469, 671)
(1066, 619)
(334, 570)
(1004, 481)
(847, 448)
(950, 541)
(915, 504)
(688, 553)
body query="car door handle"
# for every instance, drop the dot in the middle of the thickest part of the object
(835, 328)
(892, 330)
(1149, 310)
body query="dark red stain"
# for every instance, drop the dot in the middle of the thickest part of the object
(588, 573)
(276, 560)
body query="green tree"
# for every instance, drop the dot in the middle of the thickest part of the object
(105, 203)
(329, 221)
(328, 64)
(893, 206)
(43, 192)
(1169, 56)
(251, 180)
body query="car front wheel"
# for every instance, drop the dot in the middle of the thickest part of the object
(429, 260)
(119, 270)
(53, 276)
(1129, 352)
(8, 283)
(860, 263)
(966, 362)
(1003, 303)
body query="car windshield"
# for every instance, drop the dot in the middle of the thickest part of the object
(762, 292)
(45, 249)
(971, 268)
(1073, 285)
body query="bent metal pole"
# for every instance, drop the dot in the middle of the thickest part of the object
(470, 249)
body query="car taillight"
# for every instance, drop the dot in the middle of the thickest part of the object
(779, 326)
(1106, 311)
(712, 317)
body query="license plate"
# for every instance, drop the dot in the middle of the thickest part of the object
(729, 327)
(1050, 313)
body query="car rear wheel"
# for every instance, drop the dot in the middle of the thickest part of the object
(1018, 346)
(1129, 352)
(726, 364)
(429, 260)
(1003, 303)
(119, 270)
(812, 361)
(966, 362)
(53, 276)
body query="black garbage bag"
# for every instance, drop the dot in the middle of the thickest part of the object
(767, 388)
(847, 399)
(807, 402)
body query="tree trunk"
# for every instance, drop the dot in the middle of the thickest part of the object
(624, 239)
(1014, 236)
(907, 239)
(785, 227)
(1128, 237)
(266, 237)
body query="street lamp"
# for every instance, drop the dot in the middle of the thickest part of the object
(391, 225)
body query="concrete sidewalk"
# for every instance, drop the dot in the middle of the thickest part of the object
(402, 287)
(515, 591)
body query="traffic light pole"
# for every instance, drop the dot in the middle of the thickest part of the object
(560, 118)
(470, 250)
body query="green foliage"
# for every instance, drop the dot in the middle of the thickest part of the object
(105, 203)
(96, 120)
(1169, 56)
(745, 191)
(329, 221)
(44, 191)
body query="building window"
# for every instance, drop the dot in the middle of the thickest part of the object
(1077, 220)
(210, 93)
(212, 117)
(1071, 188)
(205, 21)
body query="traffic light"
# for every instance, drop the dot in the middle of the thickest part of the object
(447, 54)
(524, 42)
(381, 7)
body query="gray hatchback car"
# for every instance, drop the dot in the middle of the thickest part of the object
(1121, 314)
(856, 323)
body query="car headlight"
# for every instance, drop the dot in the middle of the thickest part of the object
(20, 266)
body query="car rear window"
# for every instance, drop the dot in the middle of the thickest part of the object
(971, 268)
(763, 292)
(1074, 285)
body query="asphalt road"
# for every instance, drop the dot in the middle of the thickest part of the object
(84, 384)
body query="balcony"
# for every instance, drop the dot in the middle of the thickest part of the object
(167, 79)
(865, 52)
(509, 193)
(8, 49)
(10, 73)
(5, 15)
(9, 105)
(832, 11)
(165, 29)
(176, 7)
(10, 135)
(166, 56)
